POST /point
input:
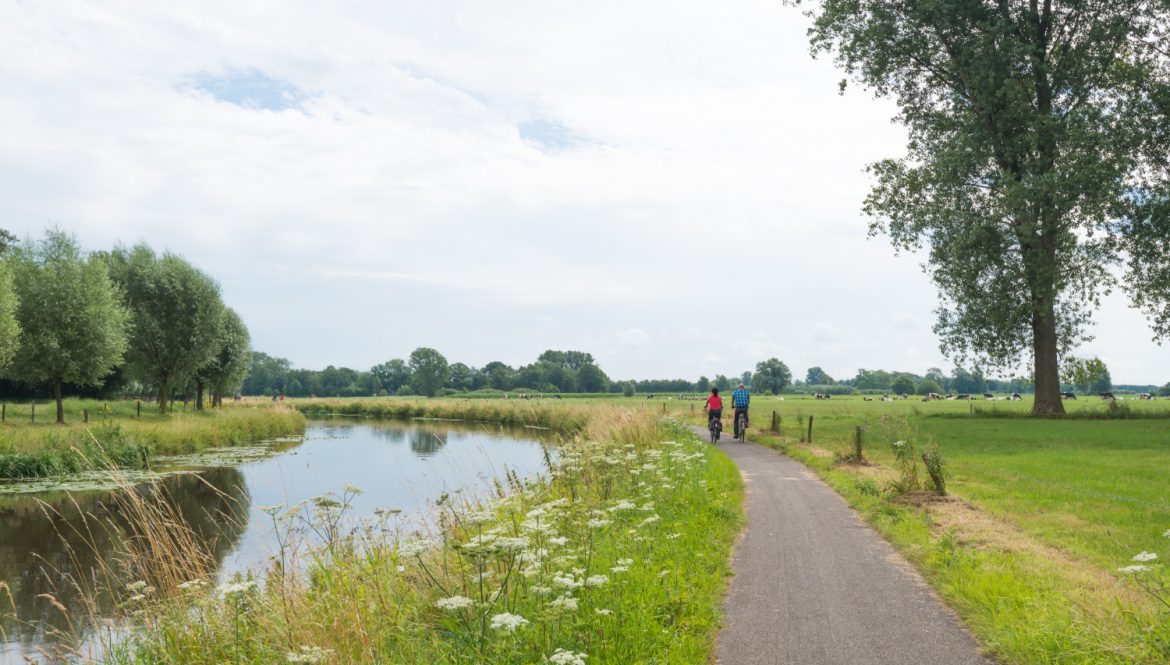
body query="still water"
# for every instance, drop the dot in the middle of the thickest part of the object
(58, 534)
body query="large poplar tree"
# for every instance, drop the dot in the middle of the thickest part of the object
(1038, 165)
(73, 323)
(175, 310)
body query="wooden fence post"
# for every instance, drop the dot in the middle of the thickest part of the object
(857, 445)
(775, 421)
(34, 411)
(4, 412)
(810, 421)
(138, 408)
(85, 415)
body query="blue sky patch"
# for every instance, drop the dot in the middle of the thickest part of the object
(550, 134)
(250, 89)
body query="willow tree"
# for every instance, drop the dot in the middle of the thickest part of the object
(73, 324)
(175, 310)
(1036, 174)
(229, 363)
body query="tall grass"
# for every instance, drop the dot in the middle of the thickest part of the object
(617, 555)
(567, 419)
(28, 451)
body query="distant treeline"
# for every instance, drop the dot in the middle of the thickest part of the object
(427, 372)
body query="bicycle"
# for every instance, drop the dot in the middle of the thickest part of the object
(715, 425)
(741, 422)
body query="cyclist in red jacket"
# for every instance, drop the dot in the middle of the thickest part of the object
(714, 407)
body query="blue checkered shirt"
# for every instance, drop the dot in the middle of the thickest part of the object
(740, 398)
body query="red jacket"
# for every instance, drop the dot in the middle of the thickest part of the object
(714, 402)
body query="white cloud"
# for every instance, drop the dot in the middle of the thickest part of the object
(633, 338)
(490, 178)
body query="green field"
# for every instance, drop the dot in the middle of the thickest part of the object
(1042, 514)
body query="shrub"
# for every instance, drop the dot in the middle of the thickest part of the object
(933, 460)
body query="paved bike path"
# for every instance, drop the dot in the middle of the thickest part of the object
(814, 585)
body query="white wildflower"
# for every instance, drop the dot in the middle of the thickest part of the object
(475, 518)
(562, 657)
(619, 569)
(566, 603)
(454, 603)
(540, 589)
(625, 562)
(401, 568)
(566, 581)
(236, 588)
(136, 598)
(136, 586)
(650, 520)
(596, 580)
(664, 573)
(1133, 569)
(623, 505)
(272, 510)
(558, 540)
(508, 544)
(1166, 534)
(598, 523)
(508, 622)
(413, 548)
(1145, 556)
(350, 489)
(192, 584)
(603, 612)
(309, 655)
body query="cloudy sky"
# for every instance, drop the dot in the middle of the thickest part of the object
(673, 186)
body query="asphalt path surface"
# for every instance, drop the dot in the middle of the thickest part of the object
(815, 585)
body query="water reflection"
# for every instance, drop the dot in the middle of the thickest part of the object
(50, 541)
(53, 545)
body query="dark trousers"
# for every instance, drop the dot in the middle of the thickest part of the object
(713, 414)
(739, 410)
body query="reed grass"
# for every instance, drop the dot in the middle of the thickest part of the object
(31, 451)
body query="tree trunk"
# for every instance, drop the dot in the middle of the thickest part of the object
(199, 396)
(163, 394)
(1045, 360)
(57, 396)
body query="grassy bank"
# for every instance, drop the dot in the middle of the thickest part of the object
(567, 419)
(1041, 516)
(116, 437)
(618, 554)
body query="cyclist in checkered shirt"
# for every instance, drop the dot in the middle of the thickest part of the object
(740, 400)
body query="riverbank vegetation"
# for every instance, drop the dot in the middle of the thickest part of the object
(115, 437)
(1034, 543)
(618, 554)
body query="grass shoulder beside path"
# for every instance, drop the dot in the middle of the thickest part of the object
(1028, 547)
(116, 437)
(619, 554)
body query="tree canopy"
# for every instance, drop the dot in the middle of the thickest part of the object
(1037, 167)
(73, 324)
(772, 376)
(175, 311)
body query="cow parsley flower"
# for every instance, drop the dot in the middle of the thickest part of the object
(562, 657)
(1166, 534)
(1133, 569)
(454, 603)
(566, 603)
(508, 622)
(309, 655)
(602, 611)
(192, 584)
(594, 581)
(599, 523)
(1145, 556)
(236, 588)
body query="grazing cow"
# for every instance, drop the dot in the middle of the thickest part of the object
(1145, 396)
(964, 397)
(869, 399)
(931, 396)
(1107, 396)
(1071, 396)
(1016, 397)
(988, 396)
